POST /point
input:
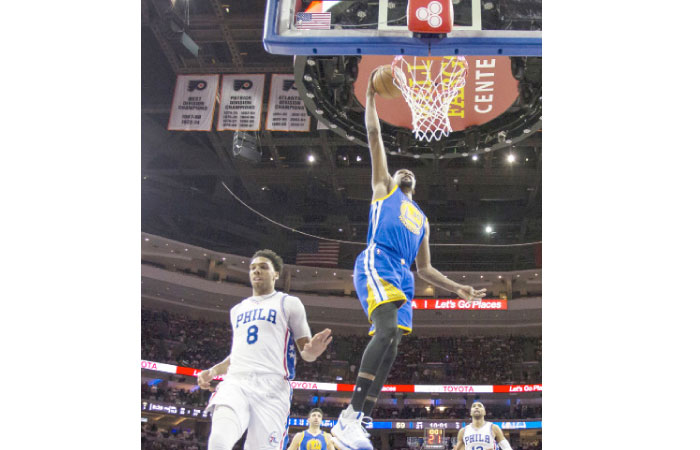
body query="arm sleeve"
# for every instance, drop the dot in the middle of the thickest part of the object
(504, 445)
(297, 317)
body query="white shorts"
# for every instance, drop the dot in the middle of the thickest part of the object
(261, 403)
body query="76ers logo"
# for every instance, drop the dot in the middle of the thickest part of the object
(411, 217)
(273, 439)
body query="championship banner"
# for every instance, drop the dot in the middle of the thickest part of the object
(342, 387)
(241, 102)
(285, 109)
(458, 303)
(193, 103)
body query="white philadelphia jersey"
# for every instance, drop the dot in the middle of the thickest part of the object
(265, 329)
(479, 438)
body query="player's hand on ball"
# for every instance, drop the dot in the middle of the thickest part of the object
(318, 343)
(469, 293)
(204, 379)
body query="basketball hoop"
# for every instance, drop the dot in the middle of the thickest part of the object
(429, 94)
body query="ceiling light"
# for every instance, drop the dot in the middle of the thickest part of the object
(185, 249)
(204, 254)
(146, 239)
(489, 229)
(311, 158)
(333, 273)
(340, 230)
(499, 276)
(223, 259)
(511, 158)
(526, 130)
(359, 158)
(482, 276)
(475, 157)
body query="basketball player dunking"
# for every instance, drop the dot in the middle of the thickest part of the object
(481, 435)
(313, 438)
(398, 234)
(256, 393)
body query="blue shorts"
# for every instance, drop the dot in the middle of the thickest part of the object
(382, 278)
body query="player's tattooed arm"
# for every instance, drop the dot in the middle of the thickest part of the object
(460, 440)
(433, 276)
(381, 179)
(206, 376)
(310, 349)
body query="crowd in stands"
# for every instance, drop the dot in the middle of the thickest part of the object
(514, 412)
(154, 438)
(199, 398)
(181, 340)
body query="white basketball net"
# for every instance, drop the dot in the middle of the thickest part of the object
(429, 97)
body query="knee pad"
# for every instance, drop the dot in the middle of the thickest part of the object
(225, 429)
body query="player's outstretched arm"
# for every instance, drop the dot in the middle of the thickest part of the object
(381, 179)
(296, 442)
(460, 440)
(500, 437)
(204, 378)
(433, 276)
(310, 349)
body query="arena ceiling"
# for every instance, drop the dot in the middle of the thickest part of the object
(182, 172)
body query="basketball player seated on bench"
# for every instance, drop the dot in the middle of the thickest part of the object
(256, 393)
(398, 234)
(481, 435)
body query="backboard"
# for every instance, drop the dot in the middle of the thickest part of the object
(379, 27)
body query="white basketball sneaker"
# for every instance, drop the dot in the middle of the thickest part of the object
(349, 432)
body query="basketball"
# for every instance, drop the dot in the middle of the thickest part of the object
(383, 82)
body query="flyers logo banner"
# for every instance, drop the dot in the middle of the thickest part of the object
(199, 85)
(242, 84)
(285, 109)
(193, 103)
(241, 102)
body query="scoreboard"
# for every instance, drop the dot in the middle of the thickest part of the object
(434, 439)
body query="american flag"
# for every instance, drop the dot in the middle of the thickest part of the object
(313, 21)
(315, 253)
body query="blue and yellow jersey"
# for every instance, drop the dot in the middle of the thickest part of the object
(313, 442)
(396, 225)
